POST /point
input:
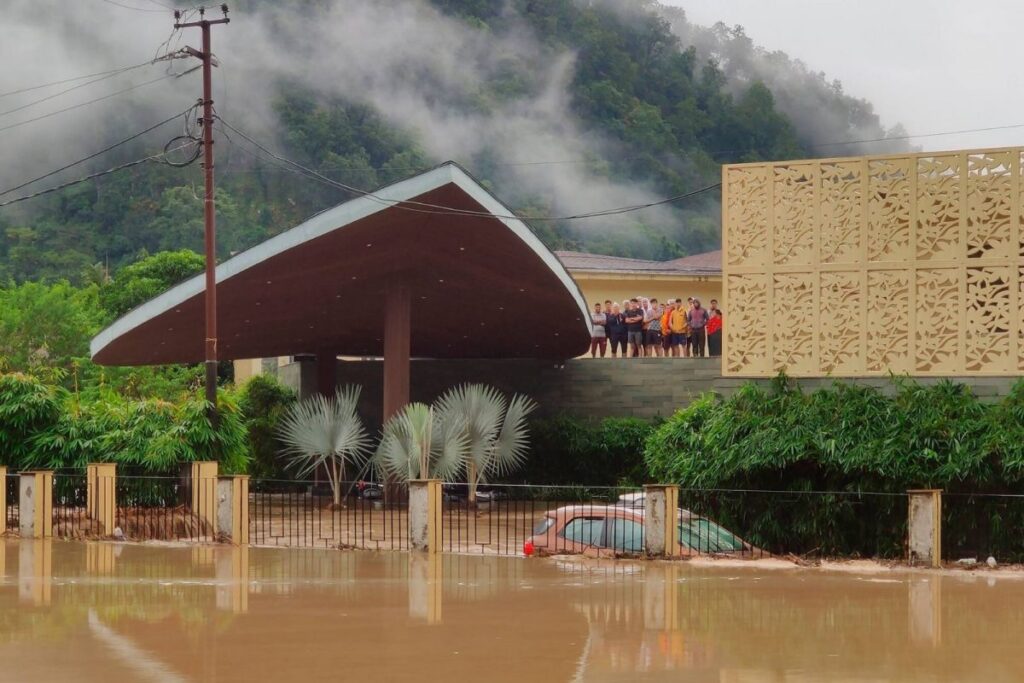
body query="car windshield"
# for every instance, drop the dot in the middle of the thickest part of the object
(705, 536)
(542, 526)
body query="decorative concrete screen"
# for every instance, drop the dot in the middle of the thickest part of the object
(862, 266)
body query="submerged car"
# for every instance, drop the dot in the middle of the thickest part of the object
(619, 530)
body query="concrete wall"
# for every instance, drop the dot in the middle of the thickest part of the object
(642, 387)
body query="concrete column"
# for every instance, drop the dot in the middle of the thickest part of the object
(203, 486)
(425, 515)
(661, 512)
(397, 312)
(307, 375)
(233, 508)
(924, 527)
(101, 494)
(35, 504)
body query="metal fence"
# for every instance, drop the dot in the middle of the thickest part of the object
(165, 508)
(11, 511)
(980, 526)
(304, 514)
(70, 515)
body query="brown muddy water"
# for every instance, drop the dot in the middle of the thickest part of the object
(86, 612)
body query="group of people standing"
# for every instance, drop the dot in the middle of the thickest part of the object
(646, 327)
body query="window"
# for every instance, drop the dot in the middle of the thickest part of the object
(627, 536)
(705, 536)
(585, 530)
(542, 526)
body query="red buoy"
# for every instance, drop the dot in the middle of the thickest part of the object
(528, 547)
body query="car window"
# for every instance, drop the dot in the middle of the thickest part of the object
(586, 530)
(705, 536)
(542, 526)
(627, 536)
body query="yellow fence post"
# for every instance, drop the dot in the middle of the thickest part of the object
(35, 504)
(924, 526)
(203, 487)
(101, 494)
(233, 508)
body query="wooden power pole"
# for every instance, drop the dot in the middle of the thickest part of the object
(209, 207)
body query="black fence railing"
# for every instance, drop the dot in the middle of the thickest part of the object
(756, 523)
(307, 514)
(512, 519)
(166, 508)
(980, 526)
(11, 512)
(70, 516)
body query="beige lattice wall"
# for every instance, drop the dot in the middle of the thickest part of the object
(861, 266)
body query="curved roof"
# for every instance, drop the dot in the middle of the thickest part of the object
(482, 286)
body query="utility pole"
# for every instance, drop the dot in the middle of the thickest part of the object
(209, 207)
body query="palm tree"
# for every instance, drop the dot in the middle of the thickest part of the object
(326, 432)
(417, 444)
(494, 428)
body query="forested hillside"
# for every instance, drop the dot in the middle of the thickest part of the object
(641, 103)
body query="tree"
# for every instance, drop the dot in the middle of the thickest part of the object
(147, 278)
(47, 325)
(326, 433)
(418, 444)
(493, 428)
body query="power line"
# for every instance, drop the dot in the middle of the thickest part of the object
(122, 69)
(67, 90)
(88, 102)
(137, 9)
(449, 210)
(91, 176)
(100, 152)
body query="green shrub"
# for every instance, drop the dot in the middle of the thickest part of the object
(566, 450)
(27, 407)
(263, 401)
(849, 440)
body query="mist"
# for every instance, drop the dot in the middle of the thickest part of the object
(417, 67)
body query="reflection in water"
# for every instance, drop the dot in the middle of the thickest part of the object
(103, 612)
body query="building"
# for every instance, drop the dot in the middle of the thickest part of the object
(614, 278)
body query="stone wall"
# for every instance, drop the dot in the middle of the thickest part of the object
(642, 387)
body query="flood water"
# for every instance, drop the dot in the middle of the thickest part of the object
(106, 612)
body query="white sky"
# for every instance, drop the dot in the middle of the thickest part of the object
(932, 65)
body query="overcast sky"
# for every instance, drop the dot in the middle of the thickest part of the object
(932, 65)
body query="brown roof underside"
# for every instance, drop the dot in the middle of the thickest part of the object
(478, 291)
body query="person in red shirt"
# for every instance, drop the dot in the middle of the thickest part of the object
(714, 330)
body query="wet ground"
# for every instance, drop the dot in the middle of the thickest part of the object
(106, 612)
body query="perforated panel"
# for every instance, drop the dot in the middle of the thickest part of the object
(865, 266)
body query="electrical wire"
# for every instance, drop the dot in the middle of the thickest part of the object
(88, 102)
(66, 91)
(91, 176)
(122, 69)
(137, 9)
(100, 152)
(438, 209)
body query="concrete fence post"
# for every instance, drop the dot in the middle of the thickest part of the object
(203, 492)
(101, 494)
(233, 508)
(425, 515)
(924, 527)
(661, 510)
(35, 504)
